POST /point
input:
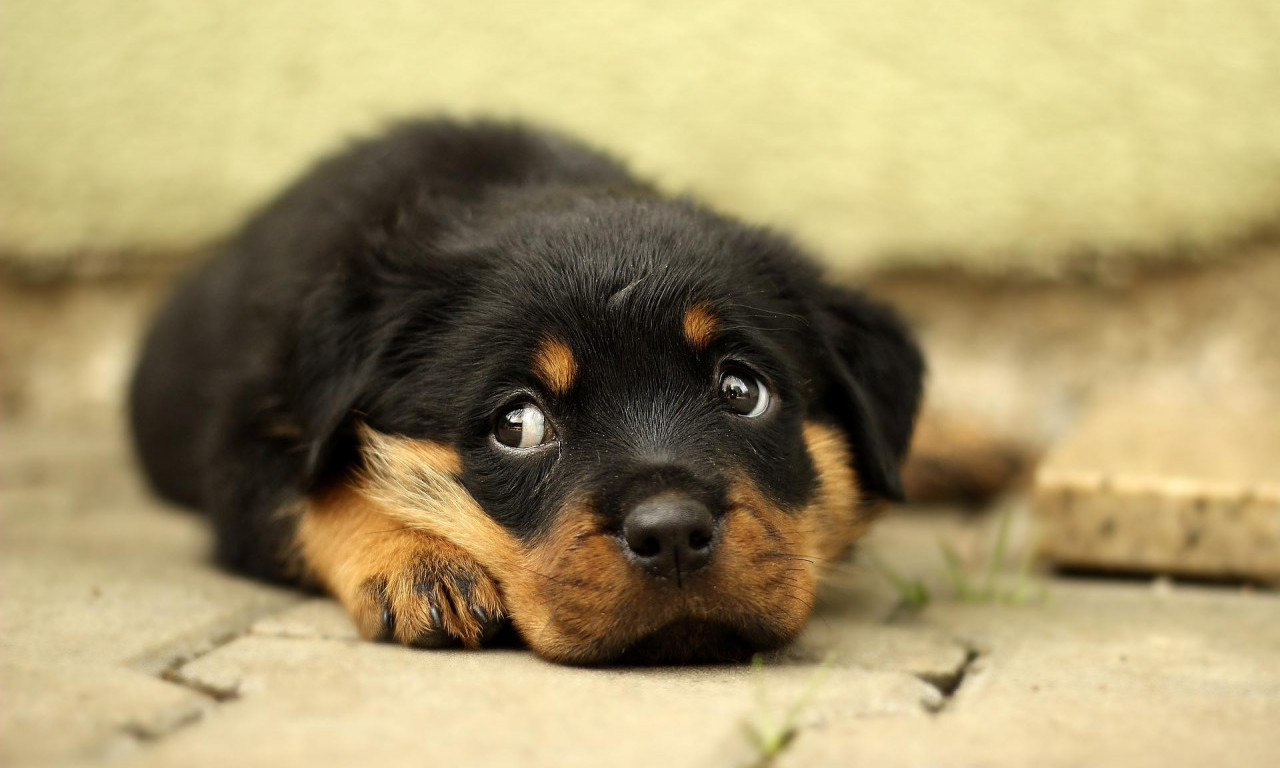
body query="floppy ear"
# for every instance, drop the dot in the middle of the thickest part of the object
(874, 375)
(337, 359)
(358, 343)
(328, 427)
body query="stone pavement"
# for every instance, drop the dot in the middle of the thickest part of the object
(1179, 485)
(120, 644)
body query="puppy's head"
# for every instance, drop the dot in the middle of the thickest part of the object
(652, 425)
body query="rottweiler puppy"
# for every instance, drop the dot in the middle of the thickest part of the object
(475, 373)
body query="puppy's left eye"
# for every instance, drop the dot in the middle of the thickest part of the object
(523, 426)
(743, 393)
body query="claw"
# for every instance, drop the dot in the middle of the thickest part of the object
(388, 623)
(444, 605)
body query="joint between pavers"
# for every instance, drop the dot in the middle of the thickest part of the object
(172, 673)
(216, 693)
(144, 733)
(949, 683)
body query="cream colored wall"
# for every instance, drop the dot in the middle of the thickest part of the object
(994, 133)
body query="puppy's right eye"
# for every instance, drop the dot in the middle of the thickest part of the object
(743, 393)
(523, 426)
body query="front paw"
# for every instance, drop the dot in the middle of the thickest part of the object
(432, 595)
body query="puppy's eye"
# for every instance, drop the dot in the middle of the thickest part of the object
(743, 393)
(523, 426)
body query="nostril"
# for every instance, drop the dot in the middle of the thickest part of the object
(700, 539)
(646, 547)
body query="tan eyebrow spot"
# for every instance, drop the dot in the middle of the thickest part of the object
(553, 363)
(700, 326)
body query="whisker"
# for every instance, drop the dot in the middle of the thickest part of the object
(401, 529)
(549, 578)
(788, 556)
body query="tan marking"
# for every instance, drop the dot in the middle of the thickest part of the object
(553, 363)
(837, 518)
(417, 482)
(573, 595)
(700, 326)
(582, 602)
(372, 561)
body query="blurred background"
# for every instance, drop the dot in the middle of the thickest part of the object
(1077, 205)
(991, 135)
(1111, 147)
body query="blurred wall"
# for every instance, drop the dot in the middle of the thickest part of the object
(993, 134)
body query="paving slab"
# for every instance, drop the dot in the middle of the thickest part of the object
(1167, 485)
(122, 644)
(103, 590)
(319, 618)
(79, 712)
(1101, 674)
(297, 673)
(1095, 673)
(343, 703)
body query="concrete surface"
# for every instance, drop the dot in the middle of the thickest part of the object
(991, 134)
(1103, 674)
(121, 644)
(1180, 486)
(101, 592)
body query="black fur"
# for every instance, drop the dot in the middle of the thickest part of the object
(406, 283)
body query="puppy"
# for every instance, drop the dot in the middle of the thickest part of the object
(474, 373)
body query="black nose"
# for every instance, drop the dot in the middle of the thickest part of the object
(670, 535)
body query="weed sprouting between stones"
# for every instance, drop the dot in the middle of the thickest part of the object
(984, 587)
(770, 732)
